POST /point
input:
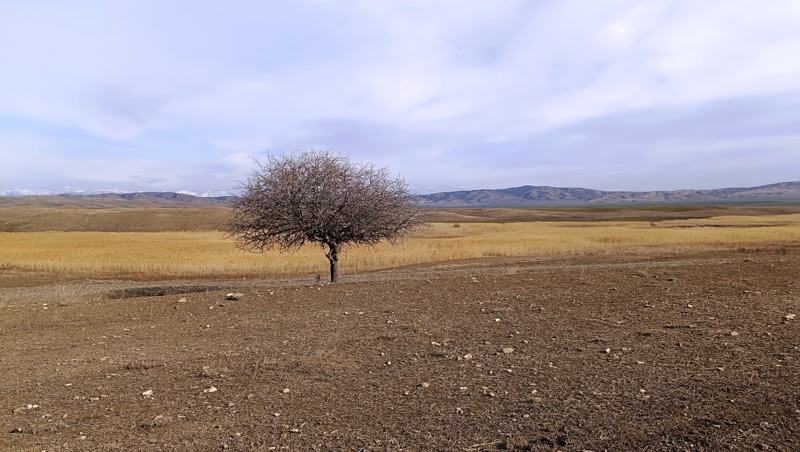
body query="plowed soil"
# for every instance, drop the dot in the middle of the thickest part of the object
(636, 353)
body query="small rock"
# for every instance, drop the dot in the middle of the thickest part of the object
(233, 296)
(183, 300)
(158, 421)
(641, 363)
(517, 443)
(508, 350)
(424, 384)
(211, 389)
(788, 317)
(148, 393)
(608, 350)
(286, 390)
(734, 333)
(18, 430)
(468, 356)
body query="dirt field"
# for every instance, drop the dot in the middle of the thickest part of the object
(614, 353)
(59, 213)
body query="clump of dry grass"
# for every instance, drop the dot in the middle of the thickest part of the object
(211, 253)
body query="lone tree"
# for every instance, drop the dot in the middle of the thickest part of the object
(323, 198)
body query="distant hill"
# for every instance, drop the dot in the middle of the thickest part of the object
(108, 200)
(525, 196)
(158, 196)
(531, 196)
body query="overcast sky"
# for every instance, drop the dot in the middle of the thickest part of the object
(169, 95)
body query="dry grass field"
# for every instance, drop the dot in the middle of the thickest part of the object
(212, 254)
(661, 329)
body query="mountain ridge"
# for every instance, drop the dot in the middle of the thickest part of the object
(532, 195)
(522, 196)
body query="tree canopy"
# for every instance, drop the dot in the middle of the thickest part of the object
(322, 198)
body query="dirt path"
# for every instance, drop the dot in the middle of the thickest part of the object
(640, 353)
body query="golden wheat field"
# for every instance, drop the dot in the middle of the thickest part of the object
(211, 253)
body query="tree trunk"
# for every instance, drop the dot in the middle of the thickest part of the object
(333, 258)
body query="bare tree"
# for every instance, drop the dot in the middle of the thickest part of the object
(322, 198)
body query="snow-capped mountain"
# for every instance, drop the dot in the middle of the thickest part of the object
(112, 191)
(208, 194)
(28, 192)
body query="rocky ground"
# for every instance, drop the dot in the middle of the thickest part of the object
(625, 353)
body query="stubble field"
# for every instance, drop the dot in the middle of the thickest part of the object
(664, 334)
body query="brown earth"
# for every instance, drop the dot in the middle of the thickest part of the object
(604, 353)
(56, 213)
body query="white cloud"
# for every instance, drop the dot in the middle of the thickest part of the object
(149, 88)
